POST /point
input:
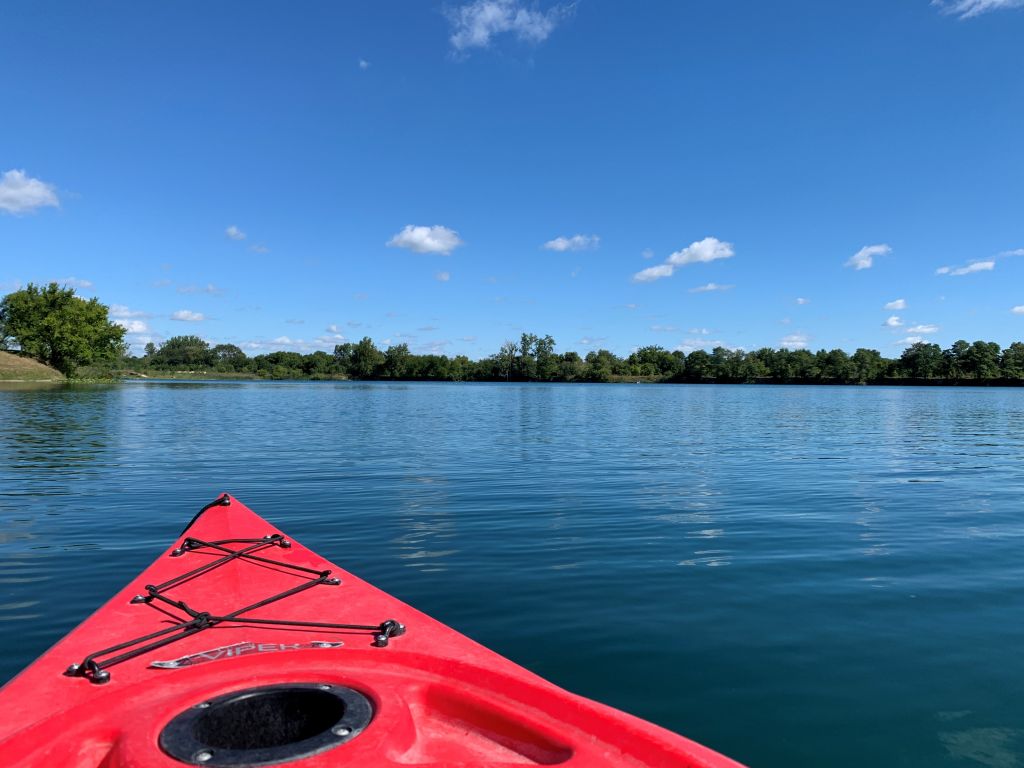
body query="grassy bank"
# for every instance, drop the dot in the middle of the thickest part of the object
(16, 368)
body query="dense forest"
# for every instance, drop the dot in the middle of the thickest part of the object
(534, 358)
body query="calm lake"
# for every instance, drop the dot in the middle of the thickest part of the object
(795, 576)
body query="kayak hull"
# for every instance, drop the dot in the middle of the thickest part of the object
(434, 696)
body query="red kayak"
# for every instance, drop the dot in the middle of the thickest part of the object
(240, 647)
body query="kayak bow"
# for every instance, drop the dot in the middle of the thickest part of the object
(230, 650)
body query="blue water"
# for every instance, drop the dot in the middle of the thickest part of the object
(796, 576)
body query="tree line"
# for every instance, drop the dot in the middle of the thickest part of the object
(535, 358)
(52, 325)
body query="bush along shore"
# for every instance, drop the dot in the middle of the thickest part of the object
(535, 358)
(76, 338)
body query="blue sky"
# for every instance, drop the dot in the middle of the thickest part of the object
(449, 175)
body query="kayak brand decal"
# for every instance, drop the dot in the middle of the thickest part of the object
(239, 649)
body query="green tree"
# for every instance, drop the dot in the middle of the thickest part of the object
(506, 359)
(601, 365)
(698, 365)
(366, 359)
(954, 363)
(571, 367)
(317, 365)
(60, 329)
(527, 358)
(343, 357)
(396, 361)
(981, 361)
(835, 365)
(654, 361)
(184, 352)
(922, 360)
(1012, 362)
(866, 365)
(546, 366)
(228, 357)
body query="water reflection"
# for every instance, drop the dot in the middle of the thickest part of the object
(790, 558)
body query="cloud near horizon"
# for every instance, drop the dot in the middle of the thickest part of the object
(865, 257)
(701, 251)
(435, 239)
(476, 24)
(20, 193)
(574, 243)
(74, 282)
(794, 341)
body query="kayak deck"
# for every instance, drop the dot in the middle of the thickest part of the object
(239, 646)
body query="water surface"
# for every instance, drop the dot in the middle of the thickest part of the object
(819, 576)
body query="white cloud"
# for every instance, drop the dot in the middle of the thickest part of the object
(234, 233)
(588, 341)
(909, 340)
(865, 257)
(926, 328)
(259, 248)
(574, 243)
(74, 282)
(364, 64)
(893, 322)
(647, 253)
(708, 249)
(188, 316)
(434, 239)
(700, 331)
(897, 304)
(794, 341)
(330, 341)
(1018, 310)
(965, 9)
(702, 251)
(476, 23)
(975, 266)
(443, 277)
(22, 194)
(120, 311)
(801, 302)
(692, 345)
(664, 328)
(711, 287)
(133, 326)
(653, 273)
(209, 288)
